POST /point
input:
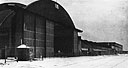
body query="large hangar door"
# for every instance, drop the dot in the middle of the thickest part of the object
(5, 30)
(63, 45)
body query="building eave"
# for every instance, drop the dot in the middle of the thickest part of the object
(78, 30)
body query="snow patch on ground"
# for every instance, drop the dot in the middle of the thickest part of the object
(108, 61)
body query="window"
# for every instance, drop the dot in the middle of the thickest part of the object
(56, 6)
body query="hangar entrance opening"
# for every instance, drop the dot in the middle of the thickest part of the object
(63, 45)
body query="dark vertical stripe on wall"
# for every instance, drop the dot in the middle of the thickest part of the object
(73, 45)
(18, 27)
(35, 36)
(45, 38)
(13, 29)
(13, 33)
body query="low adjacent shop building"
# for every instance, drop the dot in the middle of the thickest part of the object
(100, 48)
(107, 48)
(86, 47)
(44, 26)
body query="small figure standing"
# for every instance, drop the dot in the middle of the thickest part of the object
(31, 55)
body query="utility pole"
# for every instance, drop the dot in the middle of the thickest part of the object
(5, 54)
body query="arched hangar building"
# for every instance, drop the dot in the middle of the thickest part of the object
(44, 26)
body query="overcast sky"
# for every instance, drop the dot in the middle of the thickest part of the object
(101, 20)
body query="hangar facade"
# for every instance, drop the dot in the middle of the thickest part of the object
(45, 26)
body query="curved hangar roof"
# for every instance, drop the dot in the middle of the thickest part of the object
(5, 6)
(51, 10)
(7, 11)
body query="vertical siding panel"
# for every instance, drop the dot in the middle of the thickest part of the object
(49, 38)
(75, 43)
(40, 36)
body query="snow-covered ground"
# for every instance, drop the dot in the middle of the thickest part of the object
(116, 61)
